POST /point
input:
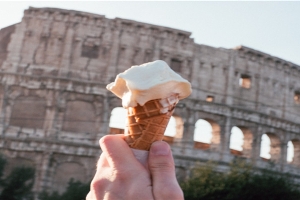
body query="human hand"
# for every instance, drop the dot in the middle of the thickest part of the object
(120, 176)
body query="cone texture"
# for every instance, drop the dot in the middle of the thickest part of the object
(147, 124)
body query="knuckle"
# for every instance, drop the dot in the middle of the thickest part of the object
(98, 184)
(162, 166)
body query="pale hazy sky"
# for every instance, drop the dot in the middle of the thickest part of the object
(271, 27)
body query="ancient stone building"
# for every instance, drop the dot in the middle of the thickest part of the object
(56, 63)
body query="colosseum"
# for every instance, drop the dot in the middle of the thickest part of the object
(55, 65)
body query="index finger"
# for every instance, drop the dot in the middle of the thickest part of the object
(118, 153)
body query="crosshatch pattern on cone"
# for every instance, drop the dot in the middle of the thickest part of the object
(147, 124)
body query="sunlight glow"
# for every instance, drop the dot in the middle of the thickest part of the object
(171, 128)
(265, 147)
(236, 139)
(118, 118)
(203, 131)
(290, 151)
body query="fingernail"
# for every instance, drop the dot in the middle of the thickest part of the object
(160, 148)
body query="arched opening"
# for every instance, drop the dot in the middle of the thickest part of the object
(12, 163)
(117, 122)
(241, 141)
(29, 112)
(290, 152)
(265, 147)
(63, 174)
(293, 152)
(270, 147)
(206, 134)
(174, 129)
(236, 141)
(79, 117)
(171, 128)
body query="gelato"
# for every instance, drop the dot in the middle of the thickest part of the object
(150, 93)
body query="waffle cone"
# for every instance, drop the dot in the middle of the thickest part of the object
(147, 124)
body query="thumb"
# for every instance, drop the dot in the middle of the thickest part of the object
(162, 169)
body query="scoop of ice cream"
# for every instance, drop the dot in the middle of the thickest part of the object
(142, 83)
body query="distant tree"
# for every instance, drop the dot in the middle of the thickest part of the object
(2, 165)
(18, 185)
(75, 191)
(241, 182)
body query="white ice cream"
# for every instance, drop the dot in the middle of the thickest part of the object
(153, 80)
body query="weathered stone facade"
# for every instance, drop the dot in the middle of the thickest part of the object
(56, 63)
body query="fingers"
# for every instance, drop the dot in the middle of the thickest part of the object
(117, 152)
(162, 169)
(119, 175)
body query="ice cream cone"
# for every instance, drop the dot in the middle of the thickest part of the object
(147, 124)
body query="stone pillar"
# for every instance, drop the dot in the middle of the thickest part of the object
(50, 114)
(67, 49)
(257, 81)
(49, 118)
(230, 78)
(15, 47)
(114, 56)
(187, 114)
(59, 114)
(256, 145)
(283, 154)
(104, 127)
(286, 93)
(4, 97)
(156, 51)
(225, 138)
(42, 178)
(194, 76)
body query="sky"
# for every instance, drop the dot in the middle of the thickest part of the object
(271, 27)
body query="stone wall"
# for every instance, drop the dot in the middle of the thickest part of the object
(56, 63)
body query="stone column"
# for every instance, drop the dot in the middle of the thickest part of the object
(230, 78)
(225, 138)
(67, 49)
(256, 145)
(286, 95)
(187, 114)
(4, 97)
(283, 153)
(156, 51)
(104, 127)
(50, 114)
(15, 47)
(42, 178)
(114, 56)
(59, 114)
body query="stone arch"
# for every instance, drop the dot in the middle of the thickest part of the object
(274, 146)
(64, 172)
(295, 151)
(117, 121)
(210, 130)
(79, 117)
(12, 163)
(29, 112)
(174, 129)
(243, 138)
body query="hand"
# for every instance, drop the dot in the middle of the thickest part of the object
(120, 176)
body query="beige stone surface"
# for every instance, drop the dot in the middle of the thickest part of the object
(55, 64)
